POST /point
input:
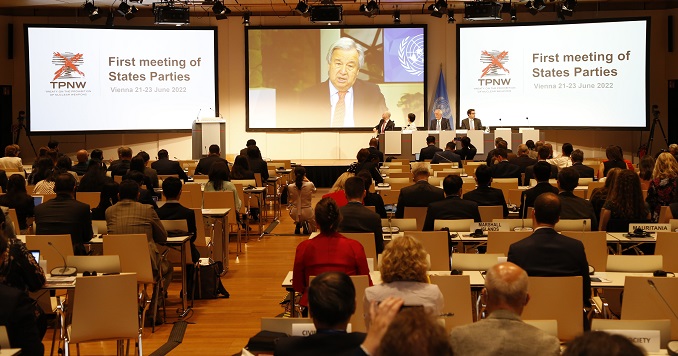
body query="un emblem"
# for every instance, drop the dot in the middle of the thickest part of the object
(411, 54)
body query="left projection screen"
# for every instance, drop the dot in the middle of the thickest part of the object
(104, 80)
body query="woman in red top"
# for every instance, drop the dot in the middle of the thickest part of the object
(327, 252)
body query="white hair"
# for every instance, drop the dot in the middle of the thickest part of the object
(502, 283)
(347, 43)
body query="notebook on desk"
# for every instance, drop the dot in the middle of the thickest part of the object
(37, 200)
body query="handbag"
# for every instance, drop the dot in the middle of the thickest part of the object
(208, 279)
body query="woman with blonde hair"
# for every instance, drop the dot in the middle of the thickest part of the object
(403, 273)
(664, 184)
(337, 191)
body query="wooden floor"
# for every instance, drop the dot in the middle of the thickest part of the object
(223, 326)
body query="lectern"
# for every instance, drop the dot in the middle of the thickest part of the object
(208, 131)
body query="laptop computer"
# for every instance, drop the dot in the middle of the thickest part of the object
(37, 200)
(36, 254)
(416, 157)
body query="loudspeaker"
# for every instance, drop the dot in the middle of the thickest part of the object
(670, 34)
(10, 41)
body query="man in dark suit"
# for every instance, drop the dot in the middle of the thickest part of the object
(467, 151)
(439, 123)
(498, 143)
(173, 210)
(430, 150)
(374, 149)
(452, 207)
(356, 217)
(502, 168)
(65, 215)
(81, 167)
(165, 166)
(523, 159)
(471, 123)
(250, 143)
(149, 172)
(574, 207)
(546, 253)
(577, 158)
(447, 156)
(485, 195)
(385, 124)
(421, 193)
(542, 171)
(205, 164)
(544, 153)
(121, 166)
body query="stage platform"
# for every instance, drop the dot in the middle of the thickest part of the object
(323, 172)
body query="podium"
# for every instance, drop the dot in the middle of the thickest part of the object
(207, 131)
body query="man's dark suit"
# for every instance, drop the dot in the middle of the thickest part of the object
(584, 171)
(523, 162)
(546, 253)
(375, 151)
(17, 313)
(368, 104)
(420, 193)
(504, 169)
(428, 152)
(390, 126)
(334, 344)
(65, 215)
(529, 196)
(467, 153)
(574, 207)
(172, 210)
(3, 181)
(447, 156)
(451, 208)
(80, 168)
(487, 196)
(119, 168)
(529, 173)
(165, 166)
(357, 218)
(206, 163)
(477, 125)
(444, 124)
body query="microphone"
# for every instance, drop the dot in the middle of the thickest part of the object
(63, 271)
(528, 121)
(583, 226)
(445, 158)
(500, 122)
(671, 346)
(197, 117)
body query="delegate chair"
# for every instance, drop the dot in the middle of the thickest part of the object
(645, 301)
(402, 224)
(573, 225)
(592, 186)
(500, 241)
(202, 241)
(458, 309)
(418, 213)
(557, 298)
(222, 200)
(595, 246)
(667, 245)
(461, 225)
(436, 244)
(390, 197)
(634, 263)
(489, 213)
(357, 320)
(474, 261)
(506, 185)
(283, 325)
(366, 239)
(90, 198)
(51, 248)
(100, 264)
(99, 227)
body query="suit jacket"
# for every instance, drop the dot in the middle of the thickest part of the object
(476, 124)
(528, 197)
(487, 196)
(173, 210)
(546, 253)
(390, 126)
(165, 167)
(505, 169)
(258, 165)
(80, 168)
(420, 193)
(523, 162)
(320, 343)
(529, 173)
(428, 152)
(3, 181)
(65, 215)
(502, 333)
(152, 174)
(467, 153)
(375, 151)
(446, 156)
(574, 207)
(584, 171)
(17, 313)
(206, 163)
(357, 218)
(451, 208)
(119, 168)
(444, 124)
(368, 104)
(375, 200)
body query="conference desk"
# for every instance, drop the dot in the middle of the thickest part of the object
(625, 242)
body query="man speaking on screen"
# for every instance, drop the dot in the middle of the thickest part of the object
(352, 102)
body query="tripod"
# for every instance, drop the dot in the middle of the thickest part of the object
(655, 122)
(17, 130)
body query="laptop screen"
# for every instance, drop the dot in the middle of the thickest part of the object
(36, 255)
(416, 156)
(37, 200)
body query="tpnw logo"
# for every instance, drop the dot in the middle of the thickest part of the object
(67, 65)
(496, 66)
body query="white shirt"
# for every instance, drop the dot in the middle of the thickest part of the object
(348, 102)
(560, 162)
(11, 163)
(410, 127)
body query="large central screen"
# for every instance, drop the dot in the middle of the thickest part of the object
(86, 79)
(567, 75)
(333, 79)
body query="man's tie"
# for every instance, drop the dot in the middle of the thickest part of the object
(339, 110)
(383, 127)
(471, 122)
(438, 129)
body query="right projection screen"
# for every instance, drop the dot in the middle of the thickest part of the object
(565, 75)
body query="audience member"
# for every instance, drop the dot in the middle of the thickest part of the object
(356, 217)
(44, 171)
(257, 163)
(65, 215)
(137, 164)
(95, 178)
(577, 158)
(121, 166)
(624, 204)
(64, 164)
(547, 253)
(337, 191)
(413, 331)
(403, 274)
(205, 164)
(467, 151)
(374, 149)
(165, 166)
(490, 155)
(502, 168)
(98, 155)
(615, 159)
(430, 150)
(452, 207)
(42, 153)
(664, 185)
(11, 160)
(542, 172)
(595, 343)
(250, 143)
(300, 195)
(18, 267)
(421, 193)
(564, 160)
(329, 251)
(53, 145)
(523, 159)
(599, 195)
(219, 181)
(241, 168)
(149, 172)
(369, 162)
(107, 198)
(173, 210)
(18, 199)
(532, 153)
(3, 181)
(146, 196)
(646, 168)
(544, 153)
(448, 155)
(372, 199)
(503, 332)
(572, 206)
(83, 159)
(484, 194)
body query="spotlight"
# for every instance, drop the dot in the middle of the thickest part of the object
(123, 8)
(92, 11)
(539, 4)
(371, 9)
(531, 7)
(513, 12)
(560, 14)
(302, 8)
(450, 16)
(396, 17)
(130, 14)
(437, 9)
(568, 7)
(246, 19)
(220, 10)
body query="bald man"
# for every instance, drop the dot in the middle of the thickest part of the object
(385, 124)
(81, 167)
(503, 332)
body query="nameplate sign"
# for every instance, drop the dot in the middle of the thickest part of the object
(489, 226)
(650, 227)
(308, 329)
(647, 339)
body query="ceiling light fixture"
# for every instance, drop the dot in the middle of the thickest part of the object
(438, 8)
(450, 16)
(246, 18)
(92, 11)
(396, 17)
(302, 8)
(220, 10)
(370, 9)
(514, 14)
